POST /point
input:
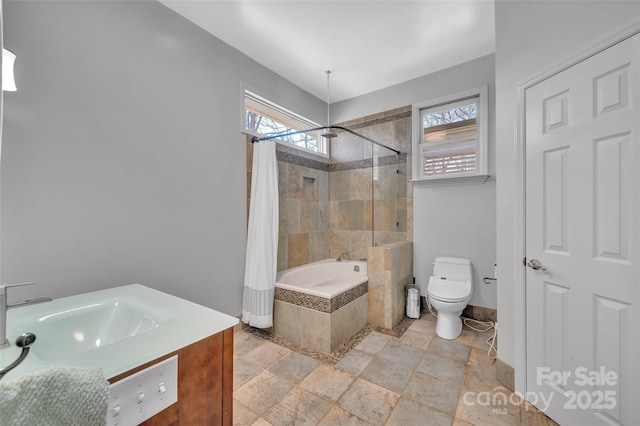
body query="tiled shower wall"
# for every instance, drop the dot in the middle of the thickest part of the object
(326, 204)
(365, 177)
(390, 270)
(303, 184)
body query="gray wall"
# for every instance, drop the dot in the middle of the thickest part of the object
(531, 36)
(122, 155)
(447, 220)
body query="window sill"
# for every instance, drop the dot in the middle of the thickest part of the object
(451, 180)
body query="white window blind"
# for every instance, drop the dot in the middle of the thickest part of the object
(450, 137)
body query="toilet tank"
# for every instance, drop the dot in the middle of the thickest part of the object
(452, 268)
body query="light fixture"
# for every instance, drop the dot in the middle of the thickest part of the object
(329, 134)
(8, 82)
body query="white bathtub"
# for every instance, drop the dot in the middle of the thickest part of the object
(325, 278)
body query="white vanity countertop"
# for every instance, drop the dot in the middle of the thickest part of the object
(179, 324)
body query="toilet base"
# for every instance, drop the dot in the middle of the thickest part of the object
(448, 325)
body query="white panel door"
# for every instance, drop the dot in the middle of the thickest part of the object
(583, 240)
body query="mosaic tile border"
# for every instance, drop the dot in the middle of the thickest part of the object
(349, 296)
(334, 357)
(318, 303)
(309, 301)
(387, 160)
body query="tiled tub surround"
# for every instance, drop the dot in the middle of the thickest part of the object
(319, 323)
(303, 190)
(303, 186)
(390, 269)
(318, 303)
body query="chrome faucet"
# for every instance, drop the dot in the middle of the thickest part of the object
(4, 306)
(343, 256)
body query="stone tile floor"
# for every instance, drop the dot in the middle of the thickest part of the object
(417, 379)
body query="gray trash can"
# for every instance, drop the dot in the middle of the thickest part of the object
(413, 303)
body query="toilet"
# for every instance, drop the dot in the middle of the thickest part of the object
(449, 290)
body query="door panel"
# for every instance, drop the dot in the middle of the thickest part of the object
(611, 220)
(555, 200)
(582, 223)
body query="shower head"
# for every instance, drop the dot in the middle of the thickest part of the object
(329, 134)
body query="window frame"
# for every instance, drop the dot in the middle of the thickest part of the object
(279, 112)
(480, 174)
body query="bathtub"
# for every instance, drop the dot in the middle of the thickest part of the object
(325, 278)
(322, 304)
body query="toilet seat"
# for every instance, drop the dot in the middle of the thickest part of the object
(448, 290)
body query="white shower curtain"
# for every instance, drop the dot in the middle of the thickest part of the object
(262, 238)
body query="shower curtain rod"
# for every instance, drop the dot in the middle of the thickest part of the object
(255, 139)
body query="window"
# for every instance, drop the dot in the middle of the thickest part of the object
(263, 117)
(450, 137)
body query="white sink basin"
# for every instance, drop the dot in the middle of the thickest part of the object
(68, 333)
(116, 329)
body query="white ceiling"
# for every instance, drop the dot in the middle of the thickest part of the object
(367, 45)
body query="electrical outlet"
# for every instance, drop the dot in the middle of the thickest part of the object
(144, 394)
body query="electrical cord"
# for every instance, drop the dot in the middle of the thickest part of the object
(491, 341)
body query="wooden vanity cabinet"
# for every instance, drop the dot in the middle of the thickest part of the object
(205, 383)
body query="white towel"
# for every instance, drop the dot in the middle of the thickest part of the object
(55, 397)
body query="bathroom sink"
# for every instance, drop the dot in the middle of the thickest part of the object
(116, 329)
(82, 328)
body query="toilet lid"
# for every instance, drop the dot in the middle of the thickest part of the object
(448, 290)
